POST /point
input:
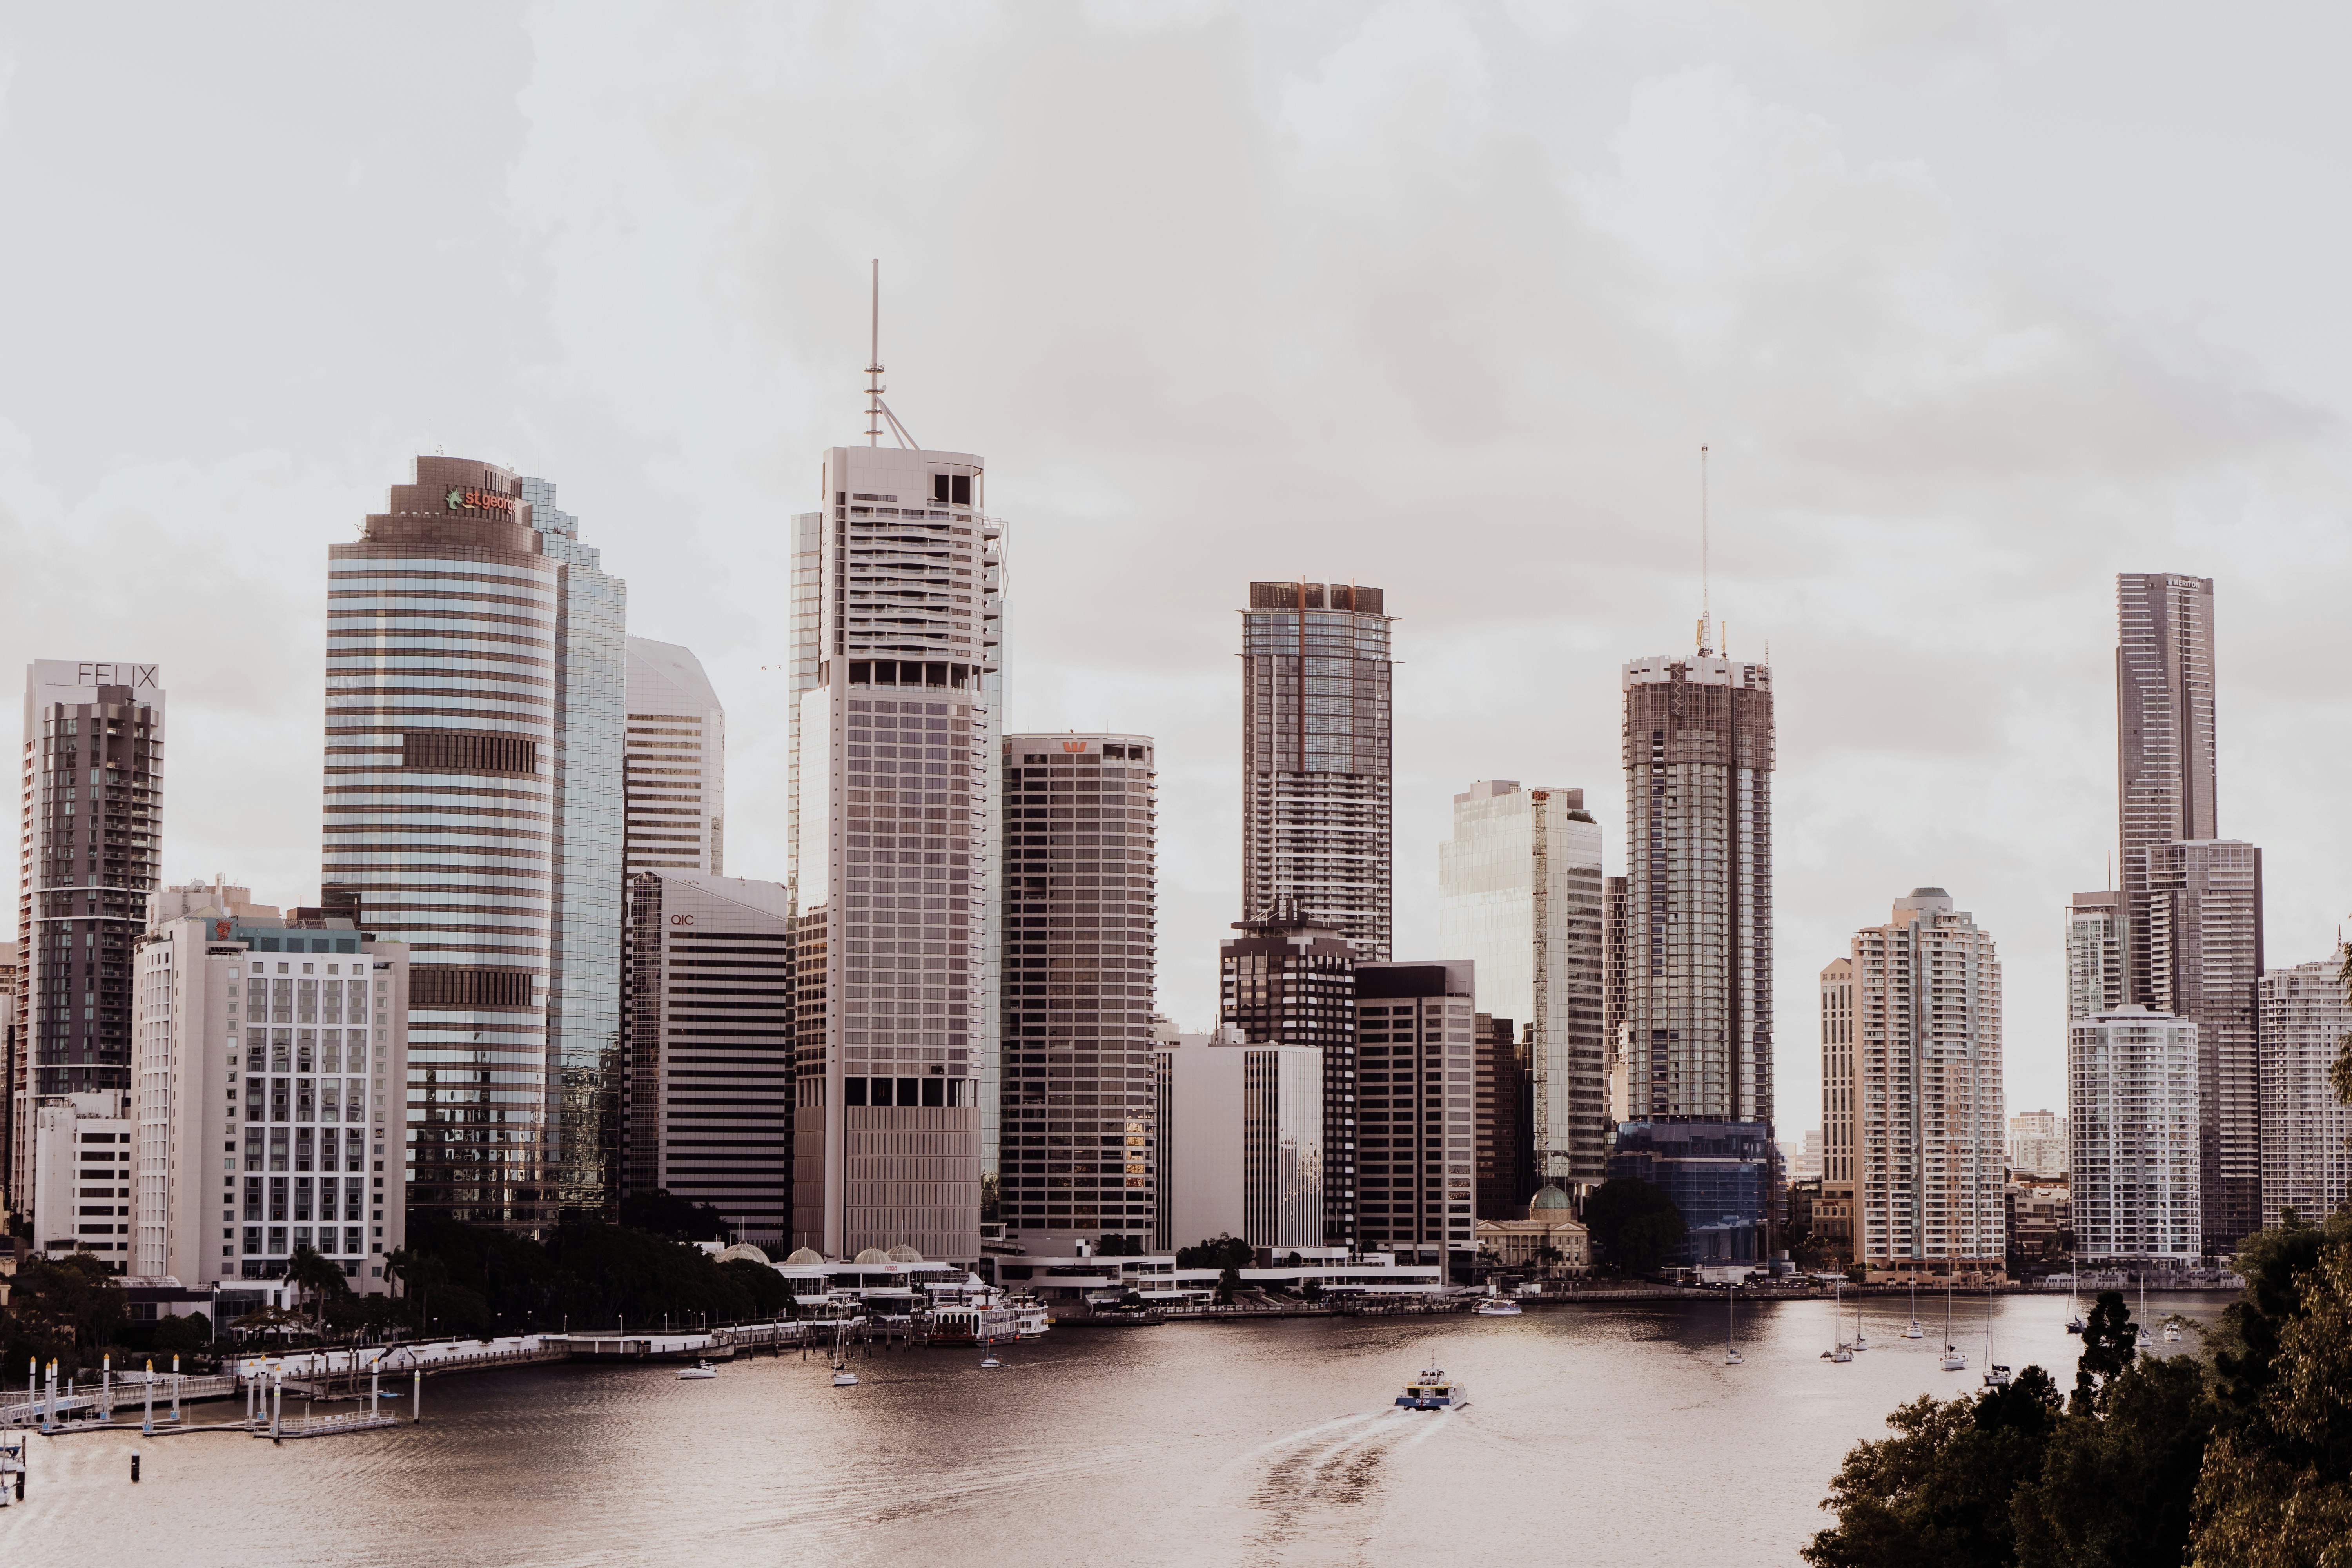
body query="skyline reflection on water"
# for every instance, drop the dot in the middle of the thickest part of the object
(1608, 1433)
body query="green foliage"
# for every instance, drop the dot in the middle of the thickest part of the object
(2110, 1341)
(1226, 1284)
(763, 1286)
(320, 1280)
(1633, 1223)
(1312, 1290)
(191, 1332)
(2275, 1264)
(680, 1219)
(470, 1280)
(1937, 1491)
(2114, 1489)
(66, 1309)
(2339, 1075)
(1219, 1251)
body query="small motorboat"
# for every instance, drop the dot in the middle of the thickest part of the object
(2172, 1333)
(1433, 1390)
(1496, 1306)
(989, 1363)
(699, 1370)
(844, 1378)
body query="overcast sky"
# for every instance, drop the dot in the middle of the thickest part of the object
(1976, 306)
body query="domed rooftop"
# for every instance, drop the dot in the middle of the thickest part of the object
(873, 1255)
(1550, 1197)
(902, 1253)
(804, 1257)
(743, 1249)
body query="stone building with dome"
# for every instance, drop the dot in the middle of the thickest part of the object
(1551, 1223)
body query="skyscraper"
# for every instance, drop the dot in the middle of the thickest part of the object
(2306, 1130)
(1317, 827)
(676, 754)
(2131, 1095)
(1833, 1212)
(475, 680)
(1415, 1109)
(2094, 954)
(1520, 895)
(91, 849)
(1699, 756)
(2164, 733)
(895, 674)
(1506, 1165)
(709, 1012)
(1241, 1130)
(1074, 1105)
(1928, 1134)
(1290, 980)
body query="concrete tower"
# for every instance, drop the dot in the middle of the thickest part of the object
(677, 758)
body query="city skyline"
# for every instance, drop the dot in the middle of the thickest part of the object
(1971, 574)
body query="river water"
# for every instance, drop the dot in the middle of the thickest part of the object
(1594, 1434)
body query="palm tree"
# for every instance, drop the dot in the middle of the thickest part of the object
(320, 1278)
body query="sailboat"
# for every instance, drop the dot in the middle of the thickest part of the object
(1912, 1331)
(842, 1376)
(1955, 1358)
(2144, 1336)
(1840, 1351)
(1731, 1356)
(2074, 1304)
(1996, 1375)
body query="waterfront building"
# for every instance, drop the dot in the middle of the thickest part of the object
(897, 715)
(1506, 1111)
(82, 1164)
(1718, 1174)
(1075, 1280)
(1317, 820)
(2094, 954)
(1928, 1148)
(1833, 1212)
(476, 674)
(1546, 1238)
(710, 1013)
(1521, 895)
(2041, 1217)
(267, 1108)
(2200, 934)
(2132, 1099)
(10, 1067)
(1698, 759)
(1075, 1110)
(675, 752)
(1241, 1128)
(2166, 776)
(90, 848)
(1415, 1111)
(2306, 1131)
(2039, 1143)
(1290, 980)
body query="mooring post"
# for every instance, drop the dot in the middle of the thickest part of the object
(416, 1398)
(278, 1407)
(176, 1390)
(134, 1467)
(146, 1426)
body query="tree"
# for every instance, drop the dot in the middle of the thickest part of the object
(680, 1219)
(2339, 1075)
(2114, 1487)
(319, 1279)
(60, 1308)
(188, 1331)
(1219, 1251)
(1634, 1224)
(1226, 1281)
(1312, 1290)
(2110, 1340)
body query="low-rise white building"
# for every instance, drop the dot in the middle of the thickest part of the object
(269, 1070)
(83, 1172)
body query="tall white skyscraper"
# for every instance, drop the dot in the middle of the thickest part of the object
(895, 742)
(476, 672)
(89, 851)
(2306, 1130)
(676, 754)
(1519, 890)
(1928, 1137)
(2094, 954)
(2131, 1091)
(1318, 813)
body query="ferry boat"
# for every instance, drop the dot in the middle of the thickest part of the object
(1030, 1320)
(1496, 1306)
(1433, 1390)
(700, 1369)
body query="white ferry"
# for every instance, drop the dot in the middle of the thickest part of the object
(1496, 1306)
(1433, 1390)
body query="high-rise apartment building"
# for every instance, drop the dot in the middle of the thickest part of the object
(675, 755)
(1317, 823)
(90, 846)
(1698, 758)
(1521, 895)
(476, 673)
(1290, 980)
(2094, 954)
(2040, 1143)
(9, 1084)
(1616, 919)
(1931, 1166)
(1075, 1113)
(1506, 1143)
(895, 676)
(1241, 1153)
(2166, 781)
(267, 1112)
(709, 1012)
(2306, 1131)
(2132, 1094)
(2200, 932)
(1416, 1110)
(1833, 1210)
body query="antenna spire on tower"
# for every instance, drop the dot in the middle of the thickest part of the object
(1704, 608)
(877, 413)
